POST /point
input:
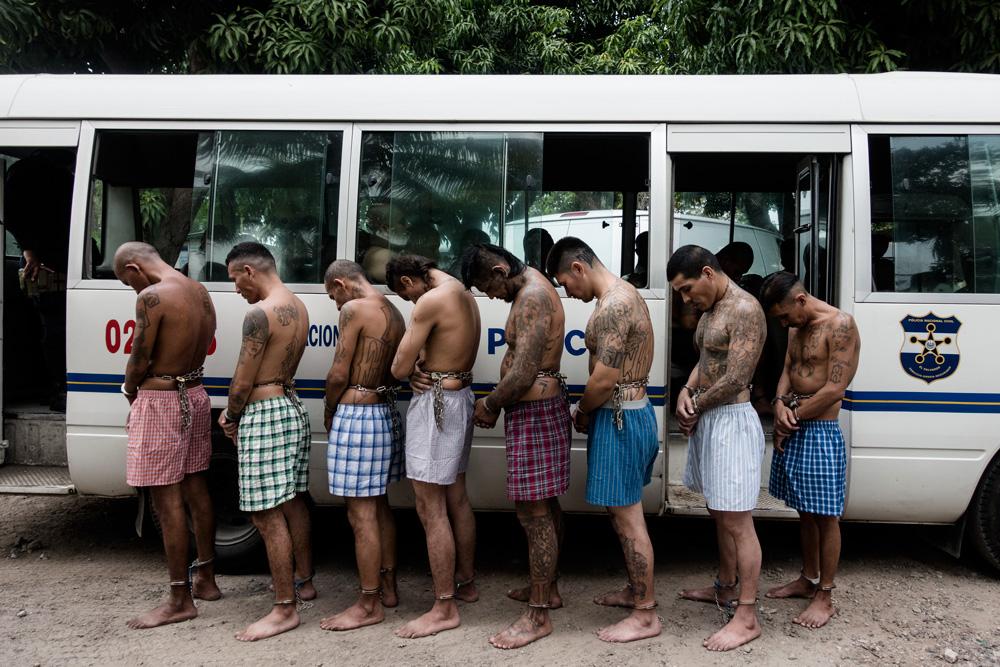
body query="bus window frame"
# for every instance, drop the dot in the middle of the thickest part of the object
(81, 191)
(659, 188)
(863, 292)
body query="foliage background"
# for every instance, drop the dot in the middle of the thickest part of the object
(505, 36)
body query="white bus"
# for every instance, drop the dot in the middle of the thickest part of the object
(879, 190)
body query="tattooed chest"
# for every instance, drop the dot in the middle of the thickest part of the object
(808, 352)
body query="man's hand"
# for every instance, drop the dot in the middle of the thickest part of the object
(228, 427)
(483, 417)
(779, 442)
(785, 422)
(327, 419)
(687, 418)
(32, 265)
(420, 381)
(581, 420)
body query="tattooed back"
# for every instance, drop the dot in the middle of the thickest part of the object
(535, 329)
(620, 335)
(380, 328)
(184, 316)
(281, 323)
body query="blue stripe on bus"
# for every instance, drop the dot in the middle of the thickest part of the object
(102, 383)
(922, 401)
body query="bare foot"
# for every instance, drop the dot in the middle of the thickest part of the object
(819, 611)
(168, 612)
(742, 629)
(282, 618)
(203, 587)
(640, 624)
(442, 616)
(524, 594)
(366, 611)
(708, 594)
(532, 626)
(467, 591)
(800, 588)
(621, 598)
(390, 596)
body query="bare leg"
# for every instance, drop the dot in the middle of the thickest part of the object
(387, 535)
(363, 515)
(802, 587)
(432, 509)
(555, 599)
(642, 623)
(744, 626)
(463, 525)
(543, 554)
(169, 504)
(297, 516)
(278, 541)
(195, 491)
(727, 569)
(821, 609)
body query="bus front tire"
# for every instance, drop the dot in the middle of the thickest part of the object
(236, 538)
(984, 515)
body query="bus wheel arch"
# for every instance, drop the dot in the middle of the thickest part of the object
(983, 516)
(236, 537)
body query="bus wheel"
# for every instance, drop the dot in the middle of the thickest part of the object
(984, 515)
(235, 535)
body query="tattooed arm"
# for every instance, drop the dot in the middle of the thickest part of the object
(845, 345)
(610, 328)
(534, 319)
(421, 326)
(747, 329)
(147, 323)
(256, 331)
(349, 328)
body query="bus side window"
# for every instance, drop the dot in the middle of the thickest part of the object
(934, 203)
(436, 193)
(193, 195)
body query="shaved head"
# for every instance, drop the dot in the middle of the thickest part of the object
(134, 252)
(343, 268)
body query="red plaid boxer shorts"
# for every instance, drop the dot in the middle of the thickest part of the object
(538, 441)
(160, 450)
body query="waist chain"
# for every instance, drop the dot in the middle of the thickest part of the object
(437, 388)
(617, 397)
(182, 394)
(548, 373)
(388, 394)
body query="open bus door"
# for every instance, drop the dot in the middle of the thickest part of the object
(33, 450)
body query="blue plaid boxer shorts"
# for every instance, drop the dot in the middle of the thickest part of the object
(363, 456)
(810, 475)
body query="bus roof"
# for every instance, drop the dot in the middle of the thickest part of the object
(896, 97)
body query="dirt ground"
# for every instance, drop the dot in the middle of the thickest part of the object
(73, 571)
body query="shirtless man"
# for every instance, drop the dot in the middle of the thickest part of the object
(437, 354)
(619, 421)
(537, 424)
(726, 441)
(270, 427)
(809, 467)
(169, 424)
(365, 445)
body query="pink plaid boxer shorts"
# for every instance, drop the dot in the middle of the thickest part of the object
(538, 441)
(160, 450)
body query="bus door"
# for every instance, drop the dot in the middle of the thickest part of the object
(37, 160)
(813, 235)
(761, 197)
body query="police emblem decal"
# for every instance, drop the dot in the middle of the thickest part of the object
(930, 346)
